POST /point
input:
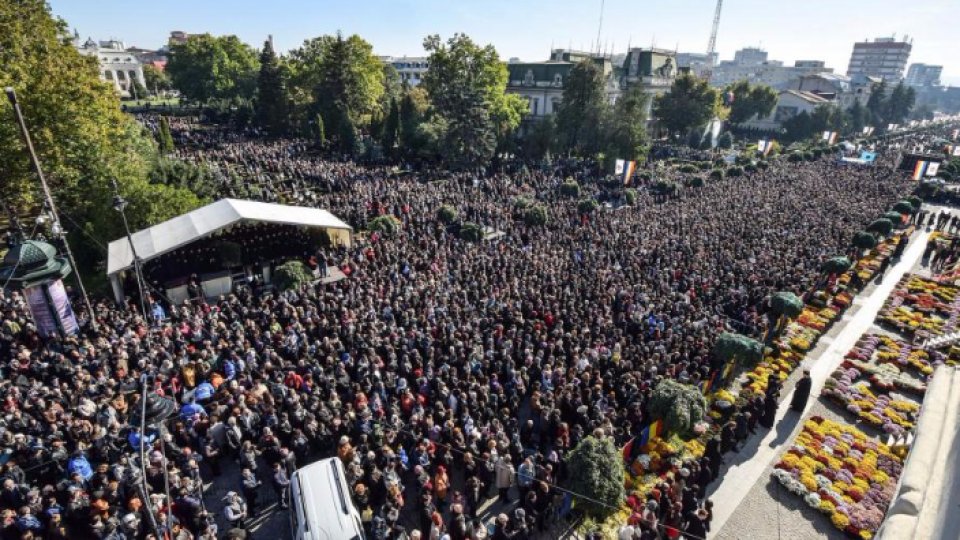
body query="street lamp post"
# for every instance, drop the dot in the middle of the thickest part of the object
(120, 205)
(56, 227)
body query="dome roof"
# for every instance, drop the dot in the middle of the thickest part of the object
(29, 254)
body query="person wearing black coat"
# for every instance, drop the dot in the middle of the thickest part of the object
(769, 411)
(712, 453)
(801, 393)
(695, 528)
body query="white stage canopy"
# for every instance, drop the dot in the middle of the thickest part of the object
(202, 222)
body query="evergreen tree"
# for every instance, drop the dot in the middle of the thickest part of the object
(272, 96)
(858, 117)
(750, 101)
(391, 130)
(899, 104)
(320, 130)
(413, 108)
(876, 104)
(582, 109)
(164, 138)
(471, 140)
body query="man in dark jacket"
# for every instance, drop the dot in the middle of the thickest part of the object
(802, 392)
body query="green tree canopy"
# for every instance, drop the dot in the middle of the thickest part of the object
(858, 117)
(786, 304)
(80, 134)
(882, 226)
(157, 79)
(899, 103)
(690, 103)
(207, 67)
(864, 240)
(599, 476)
(750, 101)
(736, 347)
(272, 98)
(627, 129)
(582, 109)
(466, 85)
(679, 405)
(835, 265)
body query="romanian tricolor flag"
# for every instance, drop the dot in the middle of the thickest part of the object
(651, 432)
(830, 137)
(625, 169)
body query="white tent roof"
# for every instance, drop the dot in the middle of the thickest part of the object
(181, 230)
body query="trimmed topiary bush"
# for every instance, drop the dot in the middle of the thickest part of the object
(522, 203)
(895, 217)
(863, 240)
(688, 168)
(735, 347)
(696, 182)
(716, 174)
(915, 201)
(290, 275)
(599, 476)
(679, 405)
(903, 207)
(447, 214)
(570, 188)
(750, 168)
(587, 206)
(795, 157)
(535, 215)
(882, 226)
(630, 195)
(735, 171)
(763, 165)
(471, 232)
(835, 265)
(388, 225)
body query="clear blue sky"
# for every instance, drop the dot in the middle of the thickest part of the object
(788, 29)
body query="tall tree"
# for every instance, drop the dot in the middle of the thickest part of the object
(582, 109)
(157, 79)
(413, 112)
(164, 138)
(750, 101)
(858, 117)
(899, 103)
(627, 129)
(205, 68)
(272, 98)
(466, 84)
(690, 103)
(876, 104)
(79, 132)
(391, 131)
(333, 74)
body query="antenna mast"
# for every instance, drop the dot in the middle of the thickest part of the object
(712, 45)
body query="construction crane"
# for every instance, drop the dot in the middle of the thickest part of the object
(712, 46)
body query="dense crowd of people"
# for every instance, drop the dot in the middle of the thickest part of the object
(443, 373)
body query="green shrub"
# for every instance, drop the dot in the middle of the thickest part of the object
(688, 168)
(895, 217)
(447, 214)
(587, 206)
(599, 477)
(882, 226)
(521, 203)
(704, 165)
(763, 165)
(725, 140)
(903, 207)
(795, 157)
(645, 176)
(388, 225)
(735, 171)
(835, 265)
(535, 215)
(631, 195)
(680, 406)
(696, 182)
(570, 188)
(716, 174)
(915, 201)
(750, 168)
(864, 240)
(817, 153)
(291, 274)
(471, 232)
(809, 156)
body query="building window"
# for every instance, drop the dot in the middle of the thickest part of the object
(558, 79)
(554, 105)
(121, 76)
(536, 106)
(528, 78)
(133, 75)
(108, 75)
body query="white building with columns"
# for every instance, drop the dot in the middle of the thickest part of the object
(117, 65)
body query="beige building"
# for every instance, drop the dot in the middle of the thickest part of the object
(117, 65)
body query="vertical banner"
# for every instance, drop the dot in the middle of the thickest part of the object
(919, 169)
(51, 309)
(932, 168)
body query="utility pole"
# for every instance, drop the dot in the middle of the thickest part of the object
(12, 96)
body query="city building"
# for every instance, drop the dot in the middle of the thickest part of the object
(117, 65)
(653, 70)
(923, 75)
(410, 69)
(178, 37)
(838, 89)
(697, 63)
(883, 57)
(789, 104)
(541, 83)
(772, 73)
(750, 56)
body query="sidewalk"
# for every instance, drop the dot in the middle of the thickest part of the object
(760, 450)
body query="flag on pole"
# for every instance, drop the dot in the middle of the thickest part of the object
(768, 147)
(955, 133)
(830, 136)
(761, 145)
(919, 169)
(628, 172)
(651, 432)
(868, 130)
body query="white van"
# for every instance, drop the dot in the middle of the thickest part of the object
(320, 504)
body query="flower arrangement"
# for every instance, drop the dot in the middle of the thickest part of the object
(880, 411)
(841, 472)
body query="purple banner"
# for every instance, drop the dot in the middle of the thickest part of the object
(45, 314)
